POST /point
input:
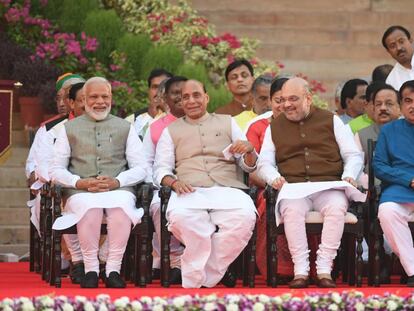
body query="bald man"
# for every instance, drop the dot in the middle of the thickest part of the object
(307, 144)
(206, 190)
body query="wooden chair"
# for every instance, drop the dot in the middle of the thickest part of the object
(353, 232)
(247, 260)
(137, 253)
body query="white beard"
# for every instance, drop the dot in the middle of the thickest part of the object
(98, 116)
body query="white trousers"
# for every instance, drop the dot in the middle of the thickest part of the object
(176, 249)
(89, 231)
(208, 253)
(394, 222)
(332, 204)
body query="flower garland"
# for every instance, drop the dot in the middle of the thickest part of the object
(353, 300)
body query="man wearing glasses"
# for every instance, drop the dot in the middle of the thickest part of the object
(313, 154)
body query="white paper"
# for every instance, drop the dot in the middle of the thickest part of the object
(227, 154)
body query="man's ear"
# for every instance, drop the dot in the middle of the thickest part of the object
(347, 102)
(207, 98)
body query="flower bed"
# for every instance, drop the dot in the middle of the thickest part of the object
(352, 300)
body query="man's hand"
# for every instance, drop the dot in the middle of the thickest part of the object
(351, 181)
(412, 183)
(279, 182)
(181, 187)
(241, 147)
(98, 184)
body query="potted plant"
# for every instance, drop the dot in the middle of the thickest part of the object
(34, 75)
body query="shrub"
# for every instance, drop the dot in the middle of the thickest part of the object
(165, 56)
(135, 48)
(218, 97)
(72, 15)
(194, 71)
(10, 53)
(106, 26)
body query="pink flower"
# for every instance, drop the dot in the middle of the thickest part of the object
(91, 44)
(73, 47)
(114, 67)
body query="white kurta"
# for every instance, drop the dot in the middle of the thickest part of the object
(399, 74)
(352, 157)
(78, 204)
(216, 197)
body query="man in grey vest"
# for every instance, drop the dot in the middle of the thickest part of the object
(98, 158)
(306, 153)
(196, 156)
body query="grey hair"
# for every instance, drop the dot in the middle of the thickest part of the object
(97, 80)
(265, 79)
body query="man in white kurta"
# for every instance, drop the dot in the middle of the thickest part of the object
(206, 211)
(98, 159)
(399, 44)
(306, 144)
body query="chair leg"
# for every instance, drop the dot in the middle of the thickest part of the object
(251, 271)
(345, 259)
(377, 267)
(143, 265)
(351, 260)
(57, 259)
(360, 262)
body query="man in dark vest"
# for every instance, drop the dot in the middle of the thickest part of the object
(98, 158)
(307, 147)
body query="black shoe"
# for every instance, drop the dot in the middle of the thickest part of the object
(156, 273)
(229, 279)
(114, 280)
(175, 276)
(410, 281)
(77, 272)
(90, 280)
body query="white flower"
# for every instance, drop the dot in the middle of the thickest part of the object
(178, 302)
(232, 307)
(27, 306)
(375, 303)
(67, 307)
(120, 303)
(312, 300)
(47, 301)
(258, 306)
(211, 297)
(233, 298)
(24, 299)
(103, 307)
(277, 300)
(210, 306)
(88, 306)
(264, 299)
(336, 298)
(158, 308)
(359, 306)
(7, 308)
(81, 299)
(160, 301)
(392, 305)
(146, 299)
(7, 302)
(333, 307)
(136, 305)
(103, 297)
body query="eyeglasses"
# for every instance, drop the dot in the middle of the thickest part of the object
(292, 99)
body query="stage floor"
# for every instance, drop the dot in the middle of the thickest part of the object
(16, 281)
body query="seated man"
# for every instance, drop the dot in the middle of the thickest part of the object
(98, 157)
(190, 159)
(172, 98)
(306, 144)
(261, 101)
(394, 165)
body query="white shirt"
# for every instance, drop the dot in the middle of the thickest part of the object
(31, 161)
(149, 155)
(142, 123)
(265, 115)
(351, 155)
(165, 154)
(399, 74)
(134, 155)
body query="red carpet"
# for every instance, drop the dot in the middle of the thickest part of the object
(16, 281)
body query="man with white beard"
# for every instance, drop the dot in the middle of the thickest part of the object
(98, 159)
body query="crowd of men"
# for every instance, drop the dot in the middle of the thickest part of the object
(271, 131)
